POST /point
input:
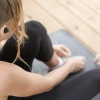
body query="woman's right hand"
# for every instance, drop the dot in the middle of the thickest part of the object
(77, 63)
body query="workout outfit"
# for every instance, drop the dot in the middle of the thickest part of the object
(83, 86)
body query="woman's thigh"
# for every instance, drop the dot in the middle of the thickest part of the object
(83, 86)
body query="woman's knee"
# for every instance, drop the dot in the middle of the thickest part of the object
(36, 28)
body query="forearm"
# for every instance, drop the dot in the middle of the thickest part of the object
(32, 83)
(58, 75)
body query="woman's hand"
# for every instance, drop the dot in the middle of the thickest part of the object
(77, 63)
(61, 50)
(97, 59)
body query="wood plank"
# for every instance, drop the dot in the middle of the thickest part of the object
(72, 23)
(26, 18)
(93, 4)
(83, 13)
(34, 12)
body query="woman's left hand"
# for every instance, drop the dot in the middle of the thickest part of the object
(61, 50)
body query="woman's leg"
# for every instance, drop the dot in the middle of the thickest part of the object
(45, 51)
(83, 86)
(37, 46)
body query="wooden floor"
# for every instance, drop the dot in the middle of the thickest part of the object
(80, 17)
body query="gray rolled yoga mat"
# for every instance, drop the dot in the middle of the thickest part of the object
(77, 49)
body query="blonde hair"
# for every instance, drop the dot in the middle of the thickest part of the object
(13, 10)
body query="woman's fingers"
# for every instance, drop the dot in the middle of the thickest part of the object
(66, 50)
(62, 50)
(63, 53)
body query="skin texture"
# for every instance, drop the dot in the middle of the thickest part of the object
(12, 82)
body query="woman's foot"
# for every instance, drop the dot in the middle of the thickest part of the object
(97, 59)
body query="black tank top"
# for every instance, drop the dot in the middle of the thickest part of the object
(1, 54)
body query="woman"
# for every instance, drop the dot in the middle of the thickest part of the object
(19, 46)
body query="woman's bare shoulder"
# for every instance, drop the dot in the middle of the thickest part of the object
(4, 76)
(5, 67)
(7, 71)
(3, 97)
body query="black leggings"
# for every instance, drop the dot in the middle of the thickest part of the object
(83, 86)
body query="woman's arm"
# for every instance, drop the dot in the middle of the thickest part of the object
(17, 82)
(73, 65)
